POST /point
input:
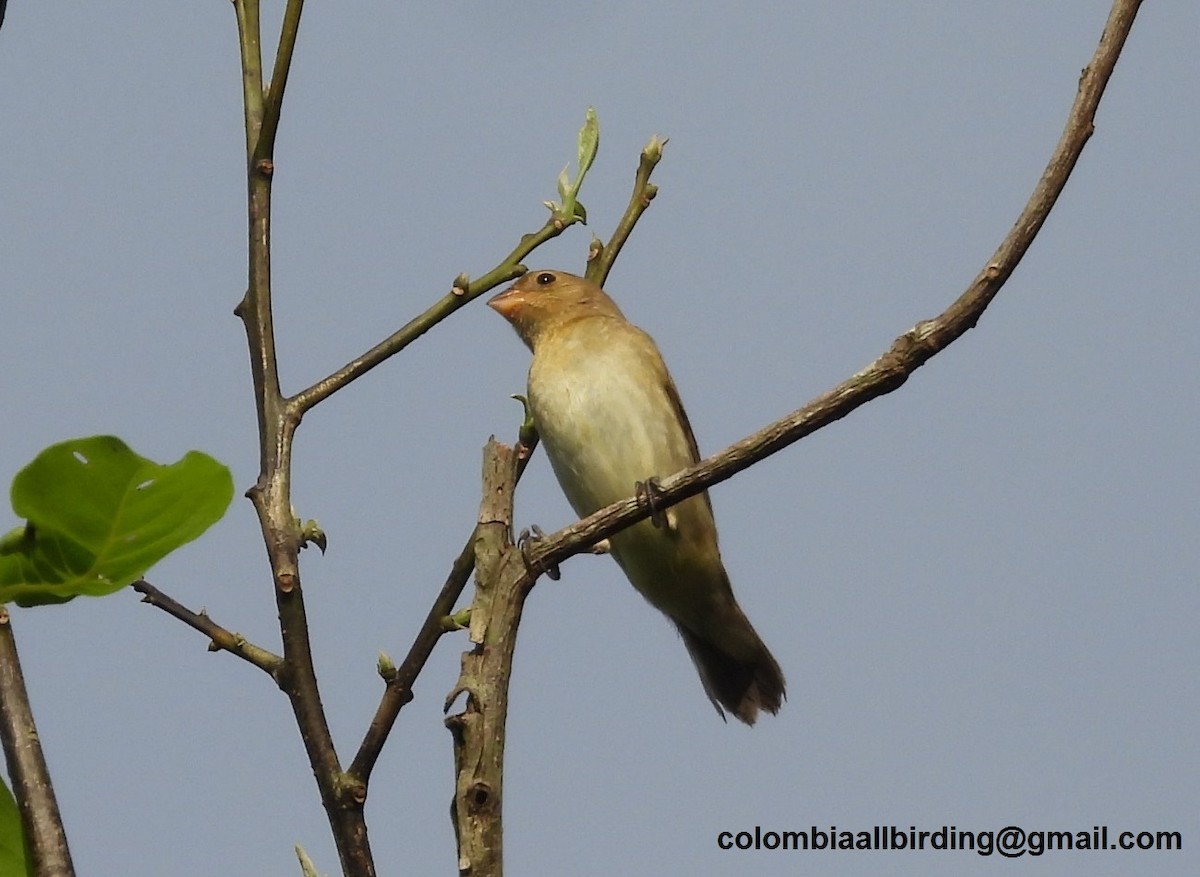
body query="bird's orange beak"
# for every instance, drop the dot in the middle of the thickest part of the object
(508, 303)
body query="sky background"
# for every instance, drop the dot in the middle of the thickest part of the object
(982, 588)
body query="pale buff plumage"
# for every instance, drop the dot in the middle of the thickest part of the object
(609, 416)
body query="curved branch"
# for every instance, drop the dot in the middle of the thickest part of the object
(908, 352)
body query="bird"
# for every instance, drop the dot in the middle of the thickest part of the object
(610, 420)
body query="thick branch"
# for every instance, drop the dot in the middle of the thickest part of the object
(908, 352)
(502, 584)
(45, 839)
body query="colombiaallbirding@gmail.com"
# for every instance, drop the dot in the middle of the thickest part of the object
(609, 417)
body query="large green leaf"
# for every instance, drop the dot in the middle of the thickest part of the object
(99, 516)
(12, 837)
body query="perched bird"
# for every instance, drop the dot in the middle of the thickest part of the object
(609, 417)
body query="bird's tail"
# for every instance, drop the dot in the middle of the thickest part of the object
(741, 685)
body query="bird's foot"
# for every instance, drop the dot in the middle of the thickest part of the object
(531, 535)
(602, 547)
(650, 494)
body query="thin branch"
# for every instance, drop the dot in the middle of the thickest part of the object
(398, 691)
(461, 294)
(602, 257)
(41, 823)
(908, 352)
(283, 64)
(219, 639)
(510, 268)
(250, 44)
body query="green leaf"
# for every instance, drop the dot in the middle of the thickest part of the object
(527, 434)
(12, 838)
(99, 516)
(570, 210)
(589, 144)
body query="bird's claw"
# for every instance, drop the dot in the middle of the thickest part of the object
(523, 542)
(649, 493)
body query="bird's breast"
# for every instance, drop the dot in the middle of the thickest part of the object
(604, 415)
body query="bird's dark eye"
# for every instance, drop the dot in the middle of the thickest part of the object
(545, 278)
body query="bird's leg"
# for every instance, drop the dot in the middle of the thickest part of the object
(523, 541)
(649, 493)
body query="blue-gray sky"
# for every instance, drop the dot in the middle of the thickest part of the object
(982, 588)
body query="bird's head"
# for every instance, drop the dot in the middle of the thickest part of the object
(543, 300)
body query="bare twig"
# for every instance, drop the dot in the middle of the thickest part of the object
(219, 639)
(509, 268)
(273, 99)
(601, 260)
(398, 690)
